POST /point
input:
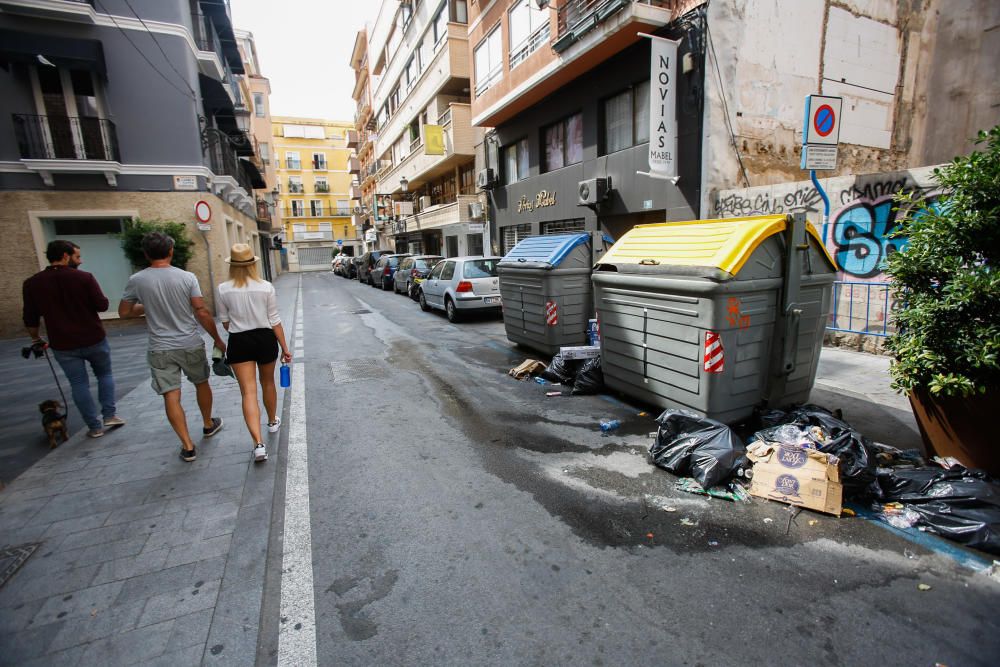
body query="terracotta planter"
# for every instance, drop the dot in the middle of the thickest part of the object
(966, 428)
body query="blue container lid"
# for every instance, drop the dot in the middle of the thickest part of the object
(550, 250)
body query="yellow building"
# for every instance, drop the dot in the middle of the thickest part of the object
(314, 183)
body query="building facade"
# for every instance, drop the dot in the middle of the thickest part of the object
(315, 173)
(566, 87)
(108, 117)
(422, 156)
(257, 90)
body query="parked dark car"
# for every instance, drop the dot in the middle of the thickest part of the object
(367, 262)
(413, 271)
(385, 267)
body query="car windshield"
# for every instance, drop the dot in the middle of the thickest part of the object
(480, 268)
(394, 262)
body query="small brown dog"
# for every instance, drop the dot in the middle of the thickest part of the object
(53, 421)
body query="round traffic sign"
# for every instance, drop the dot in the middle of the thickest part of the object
(203, 211)
(824, 120)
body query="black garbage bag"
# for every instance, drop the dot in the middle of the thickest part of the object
(589, 379)
(958, 504)
(857, 458)
(763, 418)
(689, 445)
(562, 370)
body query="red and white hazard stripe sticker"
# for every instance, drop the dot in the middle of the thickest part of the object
(714, 354)
(551, 313)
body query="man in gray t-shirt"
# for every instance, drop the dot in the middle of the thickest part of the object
(173, 305)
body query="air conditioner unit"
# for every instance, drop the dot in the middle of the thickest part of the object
(476, 210)
(425, 203)
(485, 179)
(593, 191)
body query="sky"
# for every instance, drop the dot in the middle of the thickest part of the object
(304, 48)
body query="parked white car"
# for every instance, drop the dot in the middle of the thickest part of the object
(460, 285)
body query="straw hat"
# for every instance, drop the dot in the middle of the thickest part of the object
(241, 255)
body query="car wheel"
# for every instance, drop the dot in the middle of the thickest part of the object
(385, 285)
(451, 311)
(424, 306)
(410, 292)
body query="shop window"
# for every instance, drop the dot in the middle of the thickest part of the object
(512, 234)
(467, 179)
(474, 244)
(625, 119)
(516, 161)
(563, 226)
(563, 142)
(451, 243)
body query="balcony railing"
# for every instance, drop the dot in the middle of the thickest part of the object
(223, 162)
(529, 45)
(293, 164)
(322, 187)
(580, 13)
(66, 138)
(296, 188)
(319, 165)
(334, 212)
(205, 35)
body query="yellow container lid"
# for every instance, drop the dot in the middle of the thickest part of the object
(725, 243)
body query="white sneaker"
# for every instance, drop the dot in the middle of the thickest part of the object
(259, 453)
(275, 425)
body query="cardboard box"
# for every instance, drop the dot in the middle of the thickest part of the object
(580, 352)
(796, 476)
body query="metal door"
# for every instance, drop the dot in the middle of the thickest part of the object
(314, 258)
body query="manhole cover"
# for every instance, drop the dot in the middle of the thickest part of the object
(13, 558)
(363, 311)
(357, 369)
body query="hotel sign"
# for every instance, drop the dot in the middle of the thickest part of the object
(541, 200)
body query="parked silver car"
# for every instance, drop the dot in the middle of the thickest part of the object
(459, 285)
(411, 272)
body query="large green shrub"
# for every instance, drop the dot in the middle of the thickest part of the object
(134, 230)
(947, 280)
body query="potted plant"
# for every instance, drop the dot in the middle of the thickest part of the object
(947, 281)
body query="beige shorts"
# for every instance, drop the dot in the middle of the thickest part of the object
(166, 365)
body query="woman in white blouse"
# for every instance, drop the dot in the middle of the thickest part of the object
(248, 309)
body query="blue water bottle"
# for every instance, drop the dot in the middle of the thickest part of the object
(286, 375)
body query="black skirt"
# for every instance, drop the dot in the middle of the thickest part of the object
(259, 345)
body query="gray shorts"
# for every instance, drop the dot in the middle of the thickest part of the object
(166, 365)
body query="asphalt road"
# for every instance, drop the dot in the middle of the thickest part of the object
(461, 517)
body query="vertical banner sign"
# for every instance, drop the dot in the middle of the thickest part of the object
(433, 140)
(663, 109)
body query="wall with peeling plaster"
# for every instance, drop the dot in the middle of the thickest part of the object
(918, 79)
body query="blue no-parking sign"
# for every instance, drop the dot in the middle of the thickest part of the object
(340, 241)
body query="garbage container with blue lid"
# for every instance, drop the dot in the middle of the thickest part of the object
(546, 289)
(716, 316)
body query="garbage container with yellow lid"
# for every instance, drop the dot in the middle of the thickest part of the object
(717, 316)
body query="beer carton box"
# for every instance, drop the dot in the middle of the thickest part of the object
(796, 476)
(580, 352)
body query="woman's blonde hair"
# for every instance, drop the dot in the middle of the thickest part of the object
(241, 275)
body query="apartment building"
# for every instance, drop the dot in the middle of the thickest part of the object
(423, 153)
(257, 90)
(111, 112)
(565, 85)
(316, 170)
(363, 189)
(566, 88)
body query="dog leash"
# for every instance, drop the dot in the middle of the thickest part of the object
(58, 386)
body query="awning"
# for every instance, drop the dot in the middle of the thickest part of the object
(215, 97)
(66, 52)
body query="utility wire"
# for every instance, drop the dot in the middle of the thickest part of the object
(194, 99)
(165, 56)
(725, 106)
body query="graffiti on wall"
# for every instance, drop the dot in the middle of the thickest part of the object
(863, 215)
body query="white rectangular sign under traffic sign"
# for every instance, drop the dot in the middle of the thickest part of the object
(819, 157)
(822, 122)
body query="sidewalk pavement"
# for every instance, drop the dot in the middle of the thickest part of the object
(140, 557)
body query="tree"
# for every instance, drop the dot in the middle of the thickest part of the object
(948, 280)
(131, 239)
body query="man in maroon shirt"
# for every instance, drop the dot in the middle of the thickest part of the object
(70, 301)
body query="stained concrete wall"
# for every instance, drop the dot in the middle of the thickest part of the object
(918, 81)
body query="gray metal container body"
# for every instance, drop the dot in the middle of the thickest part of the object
(525, 289)
(653, 328)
